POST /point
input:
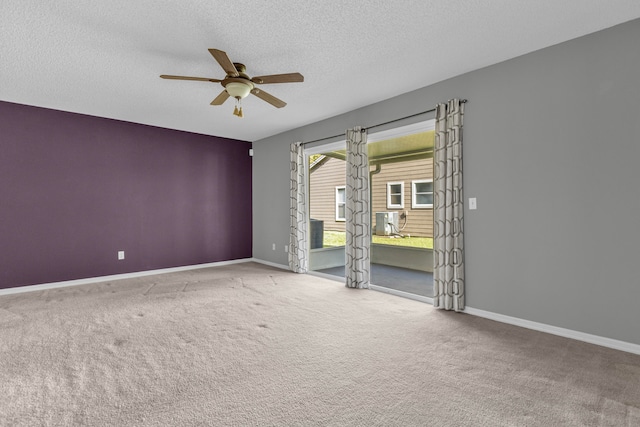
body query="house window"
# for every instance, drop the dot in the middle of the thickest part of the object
(395, 195)
(340, 203)
(422, 194)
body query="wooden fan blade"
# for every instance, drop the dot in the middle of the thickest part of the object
(269, 98)
(220, 98)
(224, 62)
(202, 79)
(279, 78)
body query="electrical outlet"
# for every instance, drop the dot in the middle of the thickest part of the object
(120, 255)
(472, 203)
(286, 248)
(273, 247)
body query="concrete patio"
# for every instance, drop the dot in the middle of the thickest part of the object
(401, 279)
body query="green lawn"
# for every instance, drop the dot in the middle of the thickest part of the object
(337, 238)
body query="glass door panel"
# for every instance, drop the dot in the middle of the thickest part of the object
(327, 199)
(401, 180)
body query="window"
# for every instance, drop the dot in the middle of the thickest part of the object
(422, 194)
(395, 195)
(341, 199)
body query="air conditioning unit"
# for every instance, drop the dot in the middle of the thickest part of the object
(386, 223)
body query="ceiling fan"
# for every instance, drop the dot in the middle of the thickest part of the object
(238, 85)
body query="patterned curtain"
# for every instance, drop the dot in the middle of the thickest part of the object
(298, 254)
(358, 213)
(448, 244)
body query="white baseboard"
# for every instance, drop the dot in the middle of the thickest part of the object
(554, 330)
(542, 327)
(53, 285)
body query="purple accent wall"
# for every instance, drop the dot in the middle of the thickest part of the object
(76, 189)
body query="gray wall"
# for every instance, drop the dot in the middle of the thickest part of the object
(551, 152)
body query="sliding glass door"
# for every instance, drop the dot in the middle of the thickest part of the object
(401, 183)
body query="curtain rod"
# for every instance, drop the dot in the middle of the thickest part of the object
(463, 101)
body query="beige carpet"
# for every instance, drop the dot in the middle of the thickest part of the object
(250, 345)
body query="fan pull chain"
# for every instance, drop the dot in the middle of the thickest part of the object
(237, 111)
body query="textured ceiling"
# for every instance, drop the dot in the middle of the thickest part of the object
(103, 58)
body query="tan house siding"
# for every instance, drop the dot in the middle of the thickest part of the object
(332, 173)
(322, 193)
(419, 221)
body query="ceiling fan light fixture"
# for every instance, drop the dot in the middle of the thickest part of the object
(238, 90)
(239, 85)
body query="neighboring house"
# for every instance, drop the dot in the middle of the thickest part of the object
(403, 187)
